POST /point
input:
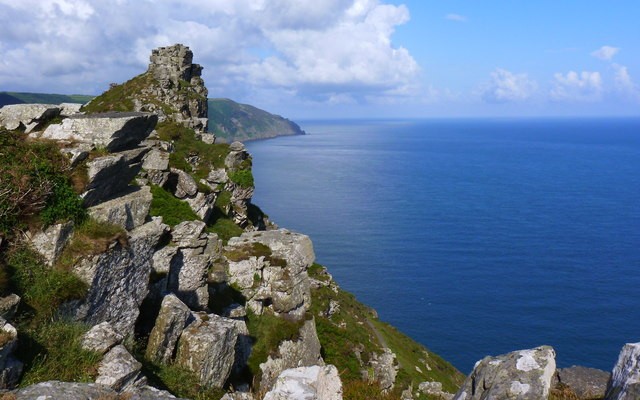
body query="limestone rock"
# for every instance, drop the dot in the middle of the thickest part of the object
(524, 374)
(189, 234)
(118, 369)
(128, 211)
(8, 306)
(50, 242)
(586, 383)
(54, 390)
(10, 367)
(207, 347)
(237, 396)
(29, 117)
(314, 382)
(171, 321)
(101, 338)
(115, 131)
(384, 368)
(625, 379)
(69, 109)
(118, 279)
(156, 160)
(303, 352)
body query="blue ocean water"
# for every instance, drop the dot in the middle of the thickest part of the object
(474, 237)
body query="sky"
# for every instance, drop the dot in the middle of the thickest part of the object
(344, 58)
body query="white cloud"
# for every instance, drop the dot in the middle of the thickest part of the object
(506, 86)
(586, 86)
(624, 85)
(605, 52)
(323, 50)
(456, 17)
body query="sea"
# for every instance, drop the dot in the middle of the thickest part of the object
(475, 237)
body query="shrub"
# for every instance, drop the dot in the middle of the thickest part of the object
(63, 203)
(171, 209)
(225, 228)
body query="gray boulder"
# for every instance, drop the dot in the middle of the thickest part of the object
(77, 153)
(118, 369)
(586, 383)
(203, 205)
(101, 338)
(207, 347)
(524, 374)
(69, 109)
(625, 379)
(10, 367)
(129, 210)
(29, 117)
(434, 389)
(314, 382)
(171, 321)
(54, 390)
(157, 160)
(8, 306)
(385, 369)
(188, 277)
(50, 242)
(115, 131)
(147, 393)
(181, 184)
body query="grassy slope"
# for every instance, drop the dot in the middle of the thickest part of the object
(44, 98)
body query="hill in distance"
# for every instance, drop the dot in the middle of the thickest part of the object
(7, 98)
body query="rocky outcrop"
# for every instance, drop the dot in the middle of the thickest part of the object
(384, 368)
(129, 210)
(315, 382)
(434, 389)
(524, 374)
(51, 390)
(625, 379)
(101, 338)
(586, 383)
(171, 321)
(8, 306)
(10, 367)
(27, 117)
(50, 242)
(119, 369)
(112, 131)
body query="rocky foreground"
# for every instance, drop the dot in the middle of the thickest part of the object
(162, 279)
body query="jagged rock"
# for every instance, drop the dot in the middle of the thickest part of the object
(384, 368)
(10, 367)
(625, 379)
(586, 383)
(217, 176)
(203, 205)
(285, 287)
(237, 396)
(77, 154)
(147, 393)
(118, 279)
(171, 321)
(207, 347)
(303, 352)
(314, 382)
(524, 374)
(235, 310)
(115, 131)
(50, 242)
(129, 210)
(181, 184)
(101, 338)
(69, 109)
(236, 155)
(434, 389)
(188, 277)
(54, 390)
(156, 160)
(118, 369)
(188, 234)
(8, 306)
(110, 175)
(29, 117)
(162, 259)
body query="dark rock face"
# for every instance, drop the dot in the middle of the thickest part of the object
(586, 383)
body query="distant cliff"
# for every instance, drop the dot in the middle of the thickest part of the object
(234, 121)
(7, 98)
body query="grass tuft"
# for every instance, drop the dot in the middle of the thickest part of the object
(170, 208)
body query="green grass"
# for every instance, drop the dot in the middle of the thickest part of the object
(244, 251)
(121, 97)
(225, 228)
(243, 177)
(171, 209)
(179, 381)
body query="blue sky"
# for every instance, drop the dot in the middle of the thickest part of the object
(344, 58)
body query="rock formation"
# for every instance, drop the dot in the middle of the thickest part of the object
(625, 379)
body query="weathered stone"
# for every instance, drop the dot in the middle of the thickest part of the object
(129, 210)
(207, 347)
(236, 146)
(189, 234)
(208, 138)
(77, 154)
(171, 321)
(10, 367)
(54, 390)
(384, 369)
(586, 383)
(118, 369)
(50, 242)
(29, 117)
(625, 379)
(237, 396)
(101, 338)
(434, 389)
(303, 352)
(147, 393)
(69, 109)
(156, 160)
(217, 176)
(203, 205)
(188, 277)
(235, 310)
(118, 279)
(114, 131)
(235, 158)
(181, 184)
(524, 374)
(314, 382)
(110, 175)
(8, 306)
(162, 259)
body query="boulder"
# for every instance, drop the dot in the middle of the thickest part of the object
(118, 279)
(217, 176)
(189, 234)
(50, 242)
(157, 160)
(162, 259)
(147, 393)
(171, 321)
(8, 306)
(207, 347)
(29, 117)
(625, 379)
(69, 109)
(77, 154)
(114, 131)
(129, 210)
(524, 374)
(188, 277)
(434, 389)
(118, 369)
(10, 367)
(586, 383)
(101, 338)
(52, 390)
(314, 382)
(181, 184)
(385, 369)
(303, 352)
(203, 205)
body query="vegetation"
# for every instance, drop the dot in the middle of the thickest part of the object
(121, 97)
(244, 251)
(243, 177)
(170, 208)
(225, 228)
(179, 381)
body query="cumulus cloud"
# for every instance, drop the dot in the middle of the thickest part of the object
(456, 17)
(506, 86)
(623, 82)
(605, 52)
(586, 86)
(334, 49)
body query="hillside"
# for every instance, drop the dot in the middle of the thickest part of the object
(234, 121)
(7, 98)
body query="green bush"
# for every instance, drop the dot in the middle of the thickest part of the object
(63, 204)
(171, 209)
(225, 228)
